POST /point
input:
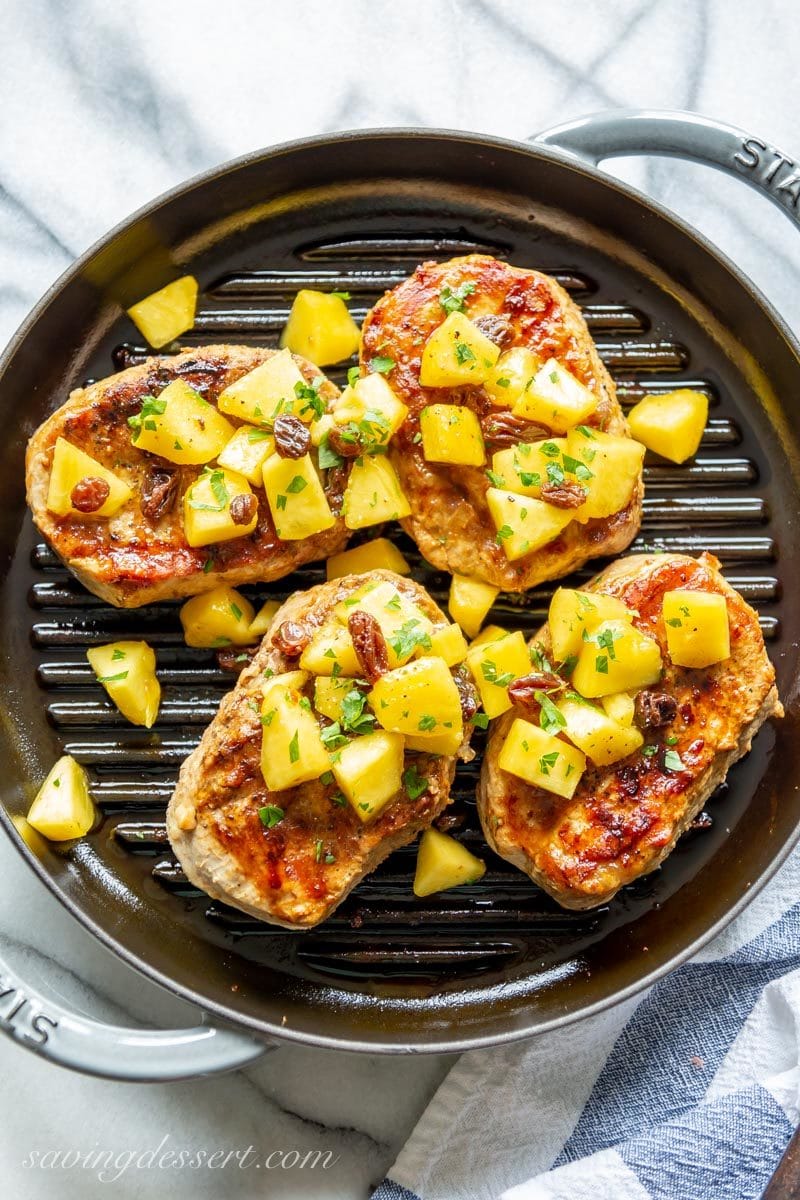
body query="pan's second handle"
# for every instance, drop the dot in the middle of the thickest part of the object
(49, 1029)
(627, 132)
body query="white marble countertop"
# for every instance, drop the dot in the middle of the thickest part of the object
(104, 107)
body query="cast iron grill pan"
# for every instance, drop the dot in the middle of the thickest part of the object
(382, 938)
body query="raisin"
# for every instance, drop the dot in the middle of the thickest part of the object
(291, 639)
(369, 645)
(235, 658)
(344, 443)
(243, 508)
(504, 429)
(292, 438)
(467, 695)
(159, 489)
(89, 494)
(525, 691)
(563, 495)
(628, 779)
(497, 329)
(654, 709)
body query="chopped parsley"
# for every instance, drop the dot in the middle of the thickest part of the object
(605, 641)
(601, 664)
(480, 720)
(649, 751)
(258, 435)
(151, 407)
(310, 393)
(408, 637)
(341, 295)
(673, 761)
(219, 490)
(236, 611)
(353, 716)
(294, 747)
(353, 375)
(271, 815)
(328, 457)
(382, 365)
(494, 479)
(112, 678)
(427, 722)
(489, 672)
(452, 299)
(318, 851)
(332, 736)
(208, 565)
(296, 485)
(117, 655)
(503, 533)
(464, 354)
(551, 718)
(414, 783)
(675, 622)
(548, 761)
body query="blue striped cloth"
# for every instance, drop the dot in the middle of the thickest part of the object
(690, 1092)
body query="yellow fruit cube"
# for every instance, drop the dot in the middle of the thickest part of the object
(166, 314)
(369, 770)
(127, 670)
(524, 468)
(63, 808)
(449, 643)
(510, 376)
(446, 743)
(555, 399)
(260, 395)
(469, 601)
(444, 863)
(378, 555)
(372, 407)
(523, 523)
(573, 612)
(492, 633)
(296, 497)
(541, 759)
(70, 466)
(451, 433)
(457, 353)
(263, 619)
(180, 425)
(209, 510)
(246, 452)
(220, 617)
(404, 626)
(615, 464)
(698, 630)
(292, 750)
(320, 328)
(616, 658)
(672, 424)
(373, 493)
(620, 707)
(419, 698)
(331, 652)
(494, 665)
(593, 731)
(329, 694)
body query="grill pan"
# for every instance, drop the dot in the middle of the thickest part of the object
(388, 972)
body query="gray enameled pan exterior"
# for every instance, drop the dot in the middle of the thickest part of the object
(468, 968)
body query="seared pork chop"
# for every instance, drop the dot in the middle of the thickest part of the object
(625, 818)
(450, 519)
(132, 558)
(296, 871)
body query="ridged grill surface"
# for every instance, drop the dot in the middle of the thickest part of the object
(711, 503)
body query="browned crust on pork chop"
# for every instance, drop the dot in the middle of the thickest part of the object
(450, 520)
(625, 819)
(277, 874)
(129, 560)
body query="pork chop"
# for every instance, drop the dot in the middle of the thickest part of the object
(131, 559)
(296, 872)
(450, 519)
(624, 819)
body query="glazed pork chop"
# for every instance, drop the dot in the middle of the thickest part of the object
(543, 476)
(323, 702)
(140, 553)
(691, 724)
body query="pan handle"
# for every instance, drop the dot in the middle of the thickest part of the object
(41, 1024)
(625, 132)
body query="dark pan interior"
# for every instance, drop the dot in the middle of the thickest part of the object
(498, 959)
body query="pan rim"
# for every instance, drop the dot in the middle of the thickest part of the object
(436, 1041)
